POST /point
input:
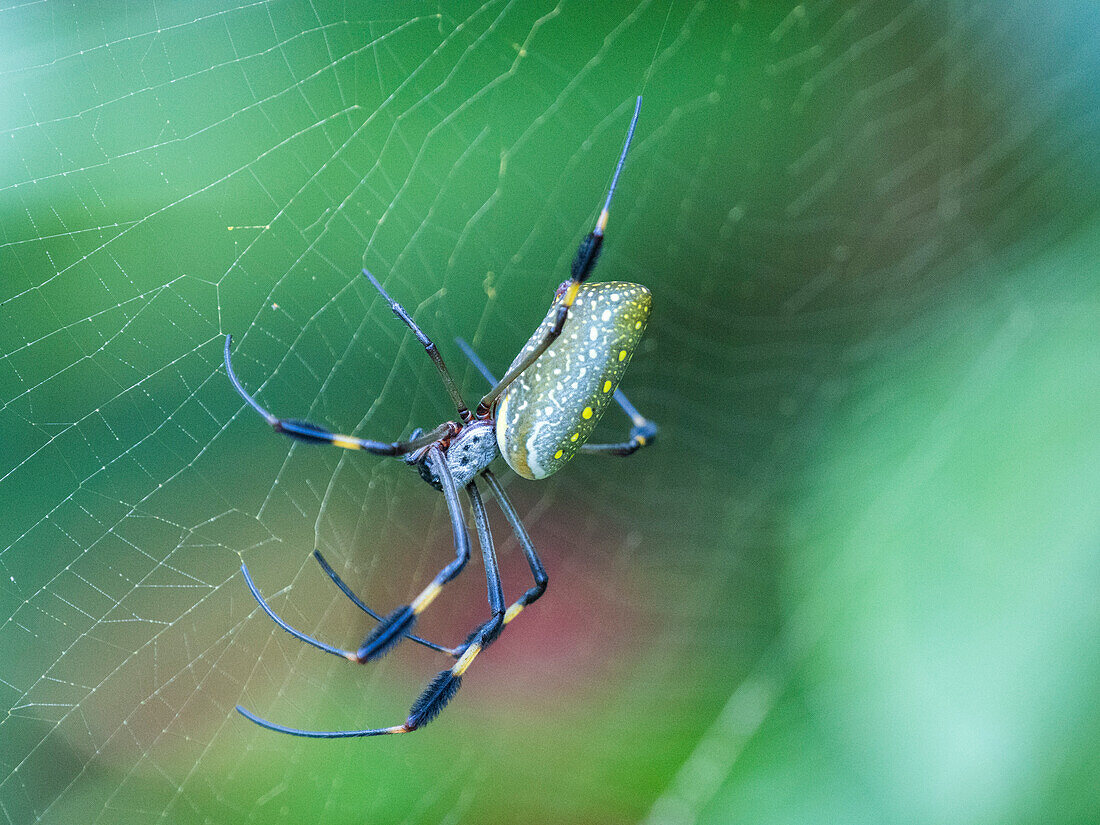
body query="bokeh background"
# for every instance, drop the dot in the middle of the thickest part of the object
(855, 580)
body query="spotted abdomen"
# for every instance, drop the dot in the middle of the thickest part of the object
(551, 409)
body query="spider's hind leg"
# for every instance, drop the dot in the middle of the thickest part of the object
(347, 591)
(642, 433)
(386, 634)
(394, 627)
(446, 683)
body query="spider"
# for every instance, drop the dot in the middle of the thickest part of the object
(537, 417)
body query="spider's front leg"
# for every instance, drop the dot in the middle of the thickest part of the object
(583, 263)
(315, 434)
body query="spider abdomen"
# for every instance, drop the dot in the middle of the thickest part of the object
(551, 409)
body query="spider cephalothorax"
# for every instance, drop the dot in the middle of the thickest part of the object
(468, 452)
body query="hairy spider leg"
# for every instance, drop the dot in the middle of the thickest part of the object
(347, 591)
(585, 260)
(429, 347)
(314, 434)
(445, 685)
(394, 626)
(642, 434)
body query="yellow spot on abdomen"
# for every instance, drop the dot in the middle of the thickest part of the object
(587, 413)
(607, 386)
(622, 355)
(574, 436)
(558, 454)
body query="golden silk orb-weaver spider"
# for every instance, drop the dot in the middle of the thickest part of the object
(538, 416)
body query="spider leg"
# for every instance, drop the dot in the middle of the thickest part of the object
(297, 634)
(446, 683)
(583, 263)
(314, 434)
(394, 626)
(347, 591)
(490, 629)
(346, 654)
(429, 347)
(642, 434)
(318, 734)
(533, 561)
(475, 359)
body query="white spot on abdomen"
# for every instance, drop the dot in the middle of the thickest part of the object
(537, 470)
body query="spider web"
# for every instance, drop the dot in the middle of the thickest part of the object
(869, 228)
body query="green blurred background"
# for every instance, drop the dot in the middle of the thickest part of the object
(854, 581)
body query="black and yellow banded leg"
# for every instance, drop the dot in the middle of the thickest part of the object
(347, 591)
(583, 263)
(427, 706)
(315, 434)
(445, 685)
(396, 625)
(533, 561)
